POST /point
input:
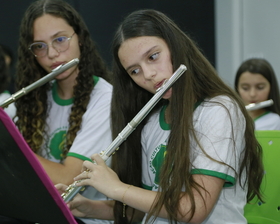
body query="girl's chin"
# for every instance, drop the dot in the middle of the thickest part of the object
(168, 94)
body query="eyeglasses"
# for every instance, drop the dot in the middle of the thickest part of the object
(60, 44)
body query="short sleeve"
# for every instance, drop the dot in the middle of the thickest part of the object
(219, 126)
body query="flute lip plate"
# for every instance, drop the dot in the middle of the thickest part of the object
(58, 67)
(164, 82)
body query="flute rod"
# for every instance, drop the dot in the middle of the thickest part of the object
(130, 127)
(256, 106)
(39, 82)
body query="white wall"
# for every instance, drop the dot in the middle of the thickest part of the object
(245, 29)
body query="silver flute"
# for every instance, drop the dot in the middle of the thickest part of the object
(256, 106)
(39, 82)
(72, 189)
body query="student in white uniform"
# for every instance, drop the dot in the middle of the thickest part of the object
(195, 158)
(4, 82)
(256, 81)
(67, 120)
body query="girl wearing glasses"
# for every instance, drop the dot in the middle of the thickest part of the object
(67, 120)
(195, 158)
(255, 81)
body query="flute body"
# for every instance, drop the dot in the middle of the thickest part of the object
(256, 106)
(39, 82)
(72, 189)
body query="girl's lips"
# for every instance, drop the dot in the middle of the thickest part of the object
(55, 65)
(159, 84)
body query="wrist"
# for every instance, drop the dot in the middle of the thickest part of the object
(120, 192)
(123, 200)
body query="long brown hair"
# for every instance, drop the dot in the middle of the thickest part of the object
(32, 108)
(199, 81)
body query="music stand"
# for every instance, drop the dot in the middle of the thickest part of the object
(26, 191)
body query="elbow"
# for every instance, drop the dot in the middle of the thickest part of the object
(198, 217)
(192, 221)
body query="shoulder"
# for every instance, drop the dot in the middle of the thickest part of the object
(101, 83)
(3, 96)
(219, 110)
(102, 88)
(270, 121)
(219, 103)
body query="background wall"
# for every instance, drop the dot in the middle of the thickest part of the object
(228, 31)
(102, 17)
(245, 29)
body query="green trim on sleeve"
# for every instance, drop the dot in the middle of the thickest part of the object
(229, 180)
(81, 157)
(6, 91)
(147, 187)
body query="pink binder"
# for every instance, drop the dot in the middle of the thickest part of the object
(26, 191)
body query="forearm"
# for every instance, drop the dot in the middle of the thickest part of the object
(106, 181)
(143, 200)
(137, 198)
(60, 173)
(99, 209)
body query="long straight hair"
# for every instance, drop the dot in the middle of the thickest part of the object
(198, 82)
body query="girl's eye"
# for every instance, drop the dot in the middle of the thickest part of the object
(39, 46)
(260, 87)
(154, 56)
(135, 71)
(60, 39)
(245, 88)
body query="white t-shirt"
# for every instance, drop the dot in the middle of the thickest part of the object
(214, 129)
(10, 109)
(267, 121)
(93, 136)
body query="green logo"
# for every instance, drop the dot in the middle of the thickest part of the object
(57, 144)
(157, 161)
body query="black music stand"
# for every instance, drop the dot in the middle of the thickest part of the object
(26, 192)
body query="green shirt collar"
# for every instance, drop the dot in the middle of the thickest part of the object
(67, 102)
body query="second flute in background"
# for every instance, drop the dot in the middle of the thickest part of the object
(256, 106)
(72, 189)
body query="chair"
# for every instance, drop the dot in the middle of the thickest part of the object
(268, 212)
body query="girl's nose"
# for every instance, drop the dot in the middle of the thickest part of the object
(52, 52)
(252, 92)
(149, 72)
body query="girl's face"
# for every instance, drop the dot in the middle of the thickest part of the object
(253, 88)
(147, 60)
(48, 29)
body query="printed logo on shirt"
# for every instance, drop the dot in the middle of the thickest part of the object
(57, 143)
(156, 162)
